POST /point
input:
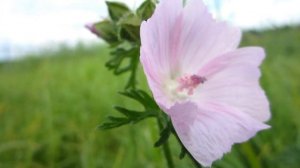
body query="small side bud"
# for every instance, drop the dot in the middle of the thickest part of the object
(92, 28)
(105, 30)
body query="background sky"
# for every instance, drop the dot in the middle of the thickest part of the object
(26, 25)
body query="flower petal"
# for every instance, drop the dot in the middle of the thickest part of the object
(202, 38)
(233, 80)
(156, 35)
(156, 49)
(178, 40)
(209, 131)
(248, 55)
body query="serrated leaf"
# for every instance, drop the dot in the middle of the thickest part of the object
(114, 122)
(143, 116)
(128, 113)
(164, 135)
(131, 117)
(106, 30)
(117, 119)
(141, 97)
(125, 58)
(117, 10)
(146, 9)
(135, 116)
(117, 62)
(150, 101)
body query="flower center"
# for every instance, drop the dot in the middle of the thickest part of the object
(183, 87)
(189, 83)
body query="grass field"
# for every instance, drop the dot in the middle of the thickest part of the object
(50, 108)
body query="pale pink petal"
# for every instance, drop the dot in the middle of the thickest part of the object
(157, 35)
(247, 55)
(224, 103)
(156, 48)
(210, 130)
(233, 80)
(202, 38)
(179, 40)
(155, 81)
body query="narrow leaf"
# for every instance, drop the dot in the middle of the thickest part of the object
(164, 135)
(146, 10)
(128, 113)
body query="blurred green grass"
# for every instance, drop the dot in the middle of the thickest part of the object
(50, 108)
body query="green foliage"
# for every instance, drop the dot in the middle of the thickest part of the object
(132, 116)
(122, 32)
(130, 28)
(124, 58)
(164, 135)
(146, 10)
(50, 107)
(117, 10)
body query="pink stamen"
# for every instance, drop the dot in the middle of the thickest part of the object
(189, 83)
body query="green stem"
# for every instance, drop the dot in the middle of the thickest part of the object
(166, 148)
(168, 156)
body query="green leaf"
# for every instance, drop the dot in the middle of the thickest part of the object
(148, 100)
(146, 10)
(118, 63)
(107, 31)
(117, 10)
(131, 117)
(125, 58)
(113, 122)
(142, 97)
(128, 113)
(164, 135)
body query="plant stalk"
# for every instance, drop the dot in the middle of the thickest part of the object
(166, 148)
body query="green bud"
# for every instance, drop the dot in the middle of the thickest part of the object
(117, 10)
(106, 30)
(130, 28)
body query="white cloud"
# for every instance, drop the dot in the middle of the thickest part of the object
(260, 13)
(38, 22)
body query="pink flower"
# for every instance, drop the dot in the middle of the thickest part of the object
(198, 76)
